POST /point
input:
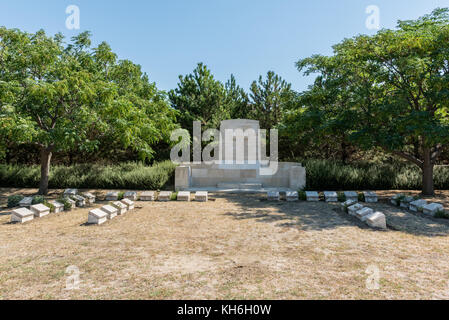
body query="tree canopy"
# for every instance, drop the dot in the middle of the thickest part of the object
(72, 97)
(389, 90)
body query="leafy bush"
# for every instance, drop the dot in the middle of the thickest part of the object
(321, 175)
(174, 196)
(120, 195)
(321, 196)
(341, 197)
(92, 176)
(49, 205)
(399, 199)
(334, 175)
(302, 195)
(13, 201)
(66, 203)
(38, 199)
(441, 215)
(361, 197)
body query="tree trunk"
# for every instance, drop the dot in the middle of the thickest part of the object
(45, 170)
(427, 176)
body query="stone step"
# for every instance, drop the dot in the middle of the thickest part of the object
(243, 186)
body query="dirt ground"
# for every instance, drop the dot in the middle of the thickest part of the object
(233, 247)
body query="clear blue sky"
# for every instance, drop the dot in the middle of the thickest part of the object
(246, 38)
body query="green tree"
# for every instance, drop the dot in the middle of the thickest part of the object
(71, 97)
(389, 90)
(237, 101)
(199, 97)
(269, 99)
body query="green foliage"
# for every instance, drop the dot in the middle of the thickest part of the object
(334, 175)
(122, 176)
(199, 97)
(66, 203)
(321, 175)
(302, 195)
(388, 90)
(13, 201)
(400, 199)
(19, 176)
(120, 195)
(341, 197)
(38, 199)
(441, 215)
(237, 101)
(74, 97)
(270, 98)
(174, 196)
(361, 197)
(49, 205)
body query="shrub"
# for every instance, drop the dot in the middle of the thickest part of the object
(361, 197)
(302, 195)
(321, 175)
(441, 215)
(38, 199)
(120, 195)
(128, 175)
(51, 206)
(174, 196)
(341, 197)
(399, 199)
(334, 175)
(13, 201)
(66, 203)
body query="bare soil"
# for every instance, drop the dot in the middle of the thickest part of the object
(234, 247)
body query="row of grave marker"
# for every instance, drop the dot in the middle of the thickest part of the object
(329, 196)
(110, 211)
(28, 211)
(373, 219)
(417, 205)
(201, 196)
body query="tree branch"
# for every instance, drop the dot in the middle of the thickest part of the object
(409, 157)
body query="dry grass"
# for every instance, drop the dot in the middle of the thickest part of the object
(234, 247)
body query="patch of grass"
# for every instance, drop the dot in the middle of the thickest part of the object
(160, 293)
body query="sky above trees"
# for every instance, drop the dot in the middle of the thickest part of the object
(244, 38)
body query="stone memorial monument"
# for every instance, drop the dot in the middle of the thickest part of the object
(241, 165)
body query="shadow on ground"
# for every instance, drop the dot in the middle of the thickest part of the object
(308, 216)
